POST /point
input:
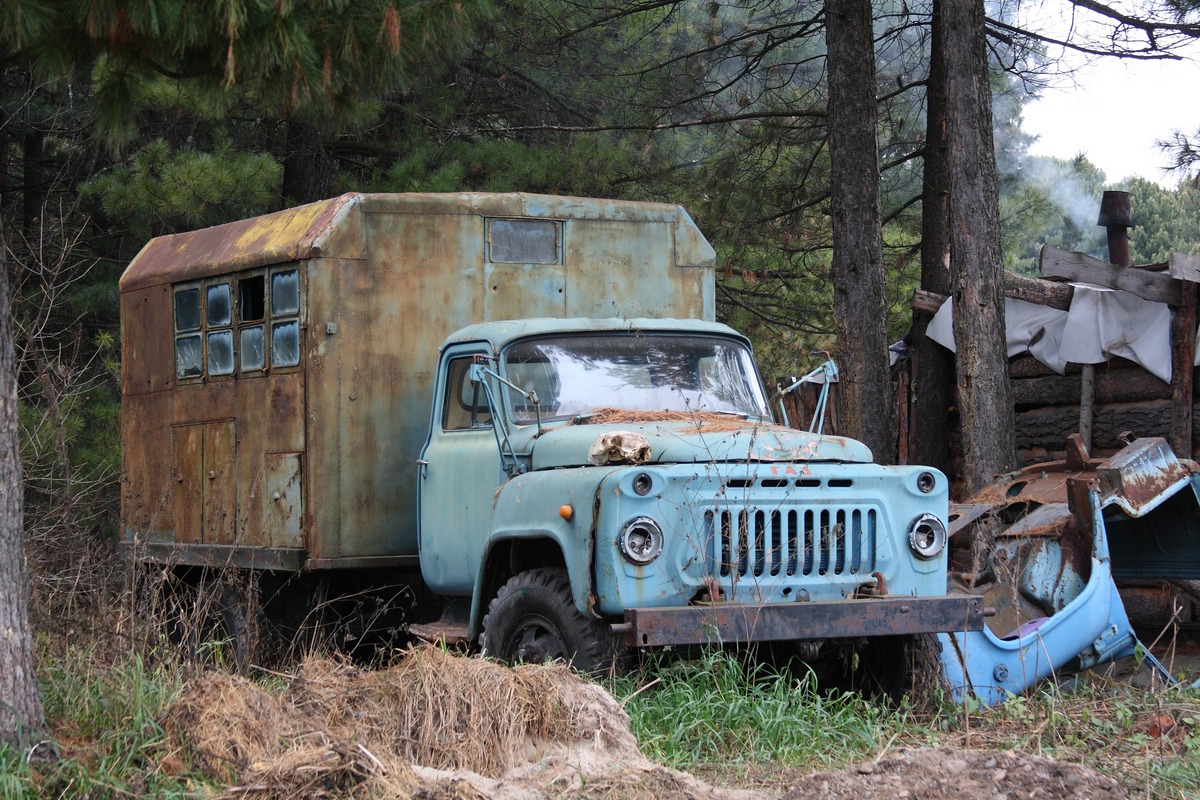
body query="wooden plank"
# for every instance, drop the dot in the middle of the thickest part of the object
(1018, 287)
(1036, 290)
(1079, 267)
(1026, 366)
(1111, 386)
(1087, 404)
(1049, 427)
(1185, 268)
(924, 302)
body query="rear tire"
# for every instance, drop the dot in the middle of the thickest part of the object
(239, 607)
(533, 619)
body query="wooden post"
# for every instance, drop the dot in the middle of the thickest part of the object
(1117, 219)
(1185, 269)
(1087, 402)
(1183, 356)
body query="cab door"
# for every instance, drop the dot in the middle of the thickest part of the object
(459, 472)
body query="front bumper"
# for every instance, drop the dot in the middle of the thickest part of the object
(728, 623)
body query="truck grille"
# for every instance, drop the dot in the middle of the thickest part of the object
(792, 542)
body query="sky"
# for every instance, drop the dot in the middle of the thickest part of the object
(1114, 110)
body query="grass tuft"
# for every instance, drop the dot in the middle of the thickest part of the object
(105, 723)
(720, 709)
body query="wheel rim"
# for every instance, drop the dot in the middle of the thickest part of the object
(536, 640)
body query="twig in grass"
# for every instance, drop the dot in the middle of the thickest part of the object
(639, 691)
(371, 756)
(887, 747)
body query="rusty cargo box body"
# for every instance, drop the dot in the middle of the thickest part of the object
(278, 371)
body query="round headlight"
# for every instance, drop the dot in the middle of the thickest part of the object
(926, 482)
(641, 541)
(927, 536)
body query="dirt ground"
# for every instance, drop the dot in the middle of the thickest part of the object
(442, 727)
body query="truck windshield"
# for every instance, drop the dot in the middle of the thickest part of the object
(581, 373)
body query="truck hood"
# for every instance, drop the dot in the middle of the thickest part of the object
(674, 442)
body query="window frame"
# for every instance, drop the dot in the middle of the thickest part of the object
(457, 371)
(490, 240)
(237, 328)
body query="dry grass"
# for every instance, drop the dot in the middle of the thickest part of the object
(339, 731)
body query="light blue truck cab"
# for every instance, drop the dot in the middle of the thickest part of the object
(591, 485)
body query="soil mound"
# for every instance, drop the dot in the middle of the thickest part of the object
(431, 725)
(444, 727)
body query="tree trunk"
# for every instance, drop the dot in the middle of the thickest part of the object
(33, 179)
(984, 393)
(933, 365)
(21, 718)
(307, 171)
(864, 392)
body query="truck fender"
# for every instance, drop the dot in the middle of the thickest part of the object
(510, 552)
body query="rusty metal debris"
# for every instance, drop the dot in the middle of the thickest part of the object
(1061, 535)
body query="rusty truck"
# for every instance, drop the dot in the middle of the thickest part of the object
(517, 409)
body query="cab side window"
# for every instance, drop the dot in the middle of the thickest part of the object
(464, 405)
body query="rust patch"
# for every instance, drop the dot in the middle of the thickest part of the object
(289, 235)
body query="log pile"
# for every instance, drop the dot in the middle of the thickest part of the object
(1117, 399)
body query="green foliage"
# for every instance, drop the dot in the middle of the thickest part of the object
(1166, 221)
(164, 188)
(722, 712)
(17, 779)
(723, 709)
(588, 165)
(321, 58)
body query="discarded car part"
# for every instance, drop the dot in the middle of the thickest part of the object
(1052, 569)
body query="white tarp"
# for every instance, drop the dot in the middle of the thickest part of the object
(1100, 324)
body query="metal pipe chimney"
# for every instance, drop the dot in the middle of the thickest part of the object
(1116, 217)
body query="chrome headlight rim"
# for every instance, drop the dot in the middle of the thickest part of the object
(927, 536)
(640, 541)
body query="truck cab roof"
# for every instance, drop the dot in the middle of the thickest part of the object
(500, 332)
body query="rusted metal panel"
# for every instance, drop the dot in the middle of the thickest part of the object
(730, 623)
(283, 504)
(147, 358)
(364, 562)
(291, 235)
(1138, 477)
(211, 555)
(187, 473)
(616, 273)
(204, 495)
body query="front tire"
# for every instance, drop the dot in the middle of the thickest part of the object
(533, 619)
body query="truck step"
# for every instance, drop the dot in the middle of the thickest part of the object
(443, 631)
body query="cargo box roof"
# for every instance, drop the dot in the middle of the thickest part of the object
(331, 228)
